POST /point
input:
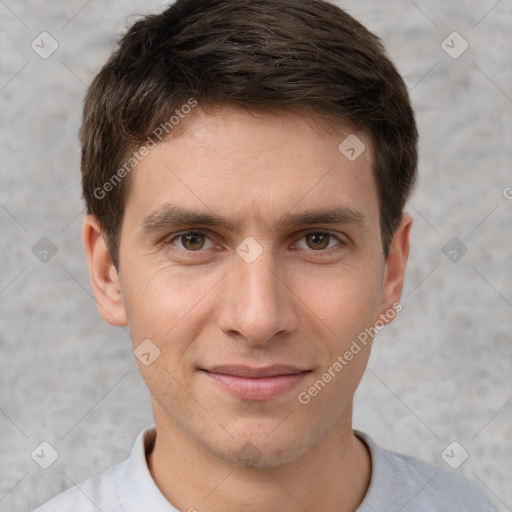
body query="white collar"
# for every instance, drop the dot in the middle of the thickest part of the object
(137, 489)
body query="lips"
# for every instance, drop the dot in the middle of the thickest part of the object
(253, 383)
(256, 373)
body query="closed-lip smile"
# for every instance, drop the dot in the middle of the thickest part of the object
(256, 383)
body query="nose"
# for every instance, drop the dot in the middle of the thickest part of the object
(259, 305)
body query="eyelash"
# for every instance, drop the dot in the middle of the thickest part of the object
(168, 242)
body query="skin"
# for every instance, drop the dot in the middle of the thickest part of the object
(297, 303)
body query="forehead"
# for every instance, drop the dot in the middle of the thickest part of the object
(250, 167)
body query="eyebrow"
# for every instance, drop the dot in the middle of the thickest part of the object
(170, 216)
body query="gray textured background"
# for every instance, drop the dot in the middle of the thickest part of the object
(441, 372)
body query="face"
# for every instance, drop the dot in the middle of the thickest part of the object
(251, 258)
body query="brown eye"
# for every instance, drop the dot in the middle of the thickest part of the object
(192, 241)
(317, 241)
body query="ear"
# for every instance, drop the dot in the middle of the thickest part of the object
(104, 277)
(395, 268)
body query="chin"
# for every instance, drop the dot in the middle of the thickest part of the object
(256, 451)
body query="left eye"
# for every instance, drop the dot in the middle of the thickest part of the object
(319, 241)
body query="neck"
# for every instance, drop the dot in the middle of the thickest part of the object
(333, 476)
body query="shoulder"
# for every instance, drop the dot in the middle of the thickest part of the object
(100, 492)
(126, 486)
(414, 485)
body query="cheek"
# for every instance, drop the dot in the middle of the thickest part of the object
(347, 303)
(165, 303)
(346, 300)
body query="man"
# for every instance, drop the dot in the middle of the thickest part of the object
(245, 167)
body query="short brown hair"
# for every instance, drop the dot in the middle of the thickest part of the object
(257, 55)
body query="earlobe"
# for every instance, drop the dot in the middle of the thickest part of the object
(104, 277)
(395, 266)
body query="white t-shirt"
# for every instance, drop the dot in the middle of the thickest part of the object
(398, 483)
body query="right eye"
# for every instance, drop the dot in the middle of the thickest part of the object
(190, 241)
